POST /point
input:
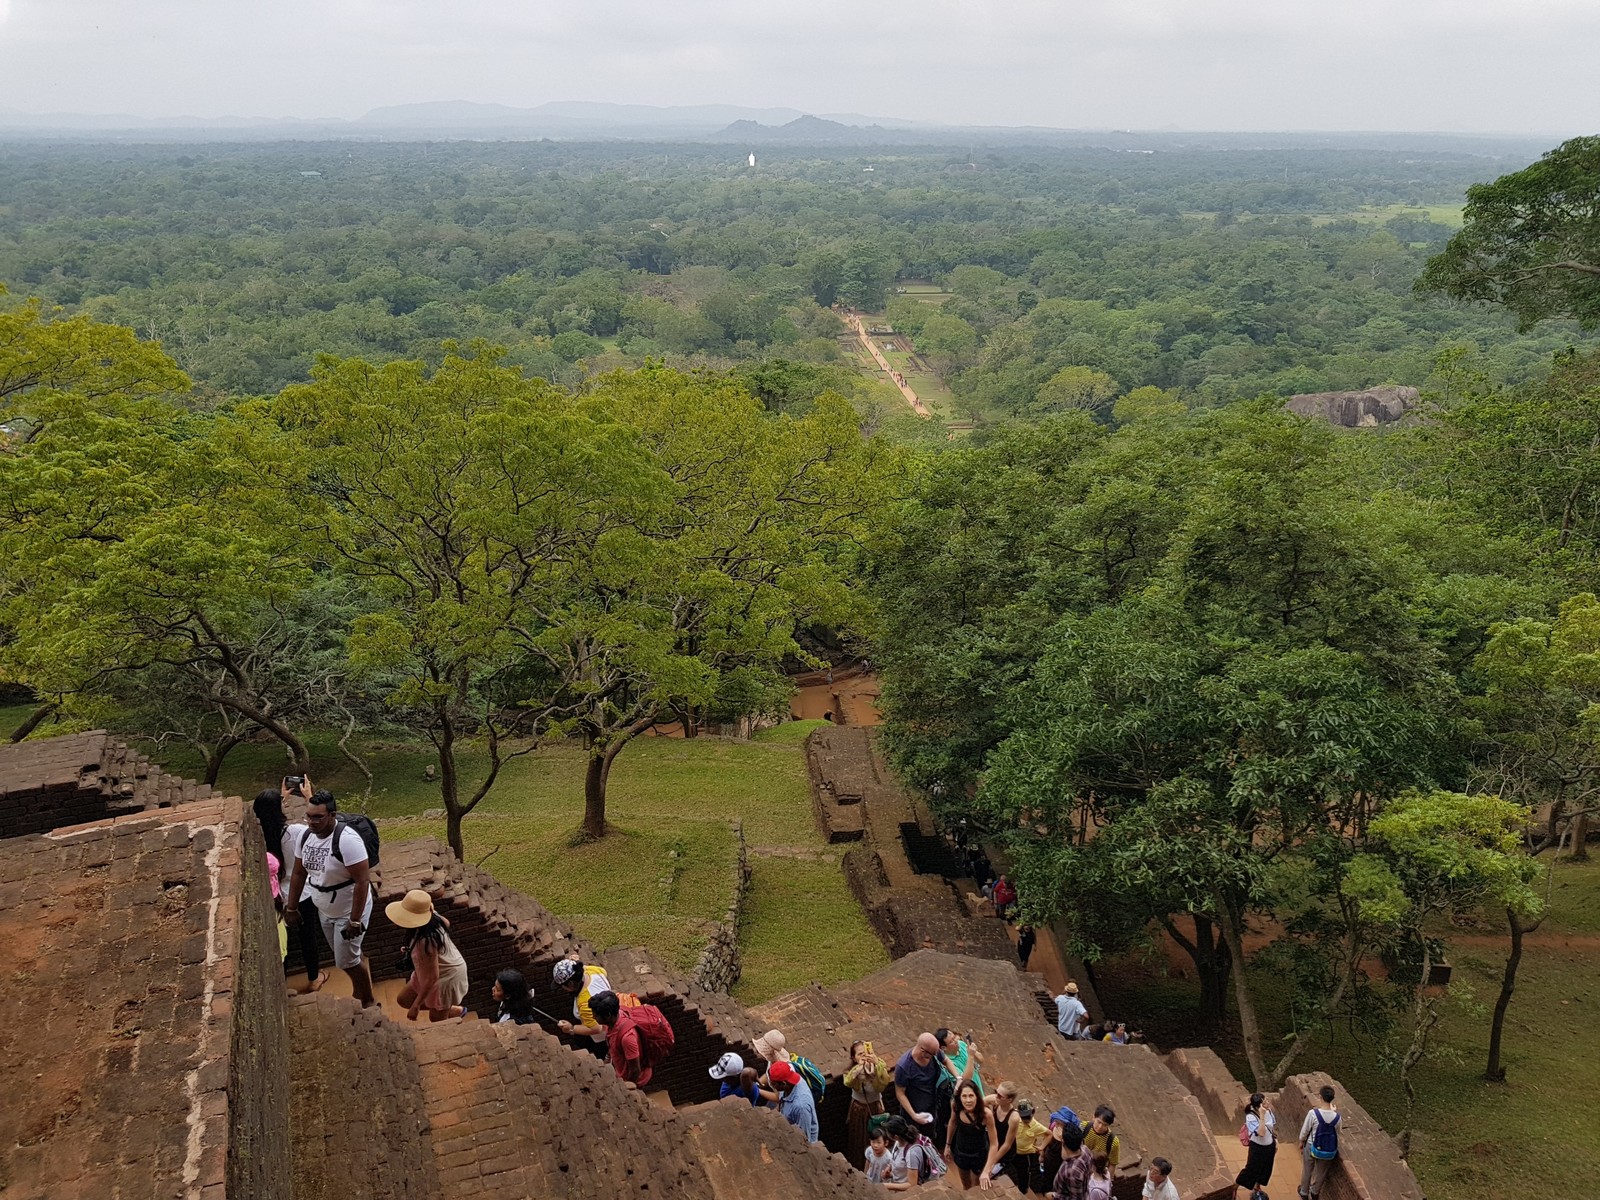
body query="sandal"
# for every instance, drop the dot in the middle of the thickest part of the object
(316, 984)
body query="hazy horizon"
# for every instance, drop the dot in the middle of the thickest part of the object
(1402, 66)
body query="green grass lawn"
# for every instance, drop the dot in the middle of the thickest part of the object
(1472, 1140)
(12, 715)
(665, 875)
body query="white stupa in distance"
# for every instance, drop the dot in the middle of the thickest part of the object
(752, 158)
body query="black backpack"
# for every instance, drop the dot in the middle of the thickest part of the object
(365, 830)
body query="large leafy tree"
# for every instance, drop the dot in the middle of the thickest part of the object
(464, 500)
(136, 544)
(1200, 657)
(1531, 240)
(699, 605)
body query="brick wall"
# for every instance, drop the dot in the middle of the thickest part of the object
(1222, 1097)
(119, 951)
(1369, 1166)
(360, 1126)
(258, 1052)
(718, 967)
(57, 783)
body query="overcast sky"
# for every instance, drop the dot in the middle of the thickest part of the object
(1524, 66)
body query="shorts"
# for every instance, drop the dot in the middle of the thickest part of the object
(346, 951)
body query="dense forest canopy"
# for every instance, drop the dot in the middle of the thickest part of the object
(1221, 269)
(493, 443)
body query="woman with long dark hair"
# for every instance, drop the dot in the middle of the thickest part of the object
(283, 839)
(438, 980)
(514, 997)
(1261, 1127)
(969, 1140)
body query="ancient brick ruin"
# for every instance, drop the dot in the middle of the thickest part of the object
(146, 1023)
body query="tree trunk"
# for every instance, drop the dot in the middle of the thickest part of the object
(452, 831)
(1425, 1017)
(1249, 1024)
(1213, 963)
(450, 787)
(1214, 966)
(594, 794)
(602, 753)
(686, 718)
(215, 756)
(34, 720)
(1580, 836)
(1495, 1072)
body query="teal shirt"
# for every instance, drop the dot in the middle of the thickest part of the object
(955, 1064)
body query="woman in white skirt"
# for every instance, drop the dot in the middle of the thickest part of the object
(438, 980)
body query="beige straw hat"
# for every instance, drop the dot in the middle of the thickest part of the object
(412, 911)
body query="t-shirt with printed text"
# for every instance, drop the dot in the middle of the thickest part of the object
(329, 879)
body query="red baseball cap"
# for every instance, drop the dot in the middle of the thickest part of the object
(782, 1072)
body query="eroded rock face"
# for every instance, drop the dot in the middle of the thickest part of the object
(1356, 410)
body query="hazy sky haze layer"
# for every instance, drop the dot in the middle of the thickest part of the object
(1461, 65)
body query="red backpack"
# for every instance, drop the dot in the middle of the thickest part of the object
(655, 1035)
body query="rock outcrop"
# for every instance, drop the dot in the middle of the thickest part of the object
(1356, 410)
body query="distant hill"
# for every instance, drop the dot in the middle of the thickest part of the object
(808, 131)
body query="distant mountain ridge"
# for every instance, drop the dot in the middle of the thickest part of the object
(562, 119)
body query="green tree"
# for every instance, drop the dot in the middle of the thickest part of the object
(1435, 855)
(950, 343)
(1540, 715)
(460, 498)
(702, 601)
(1192, 644)
(1075, 387)
(1531, 240)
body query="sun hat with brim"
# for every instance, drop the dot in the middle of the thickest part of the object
(770, 1045)
(411, 911)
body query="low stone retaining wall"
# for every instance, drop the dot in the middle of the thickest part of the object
(718, 967)
(1369, 1166)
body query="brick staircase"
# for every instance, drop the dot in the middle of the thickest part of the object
(465, 1109)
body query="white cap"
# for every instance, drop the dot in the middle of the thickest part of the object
(728, 1066)
(564, 970)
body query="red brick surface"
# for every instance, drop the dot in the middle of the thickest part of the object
(58, 782)
(997, 1006)
(121, 945)
(360, 1126)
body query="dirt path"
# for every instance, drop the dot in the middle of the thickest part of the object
(855, 321)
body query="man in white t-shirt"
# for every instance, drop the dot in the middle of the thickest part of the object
(340, 886)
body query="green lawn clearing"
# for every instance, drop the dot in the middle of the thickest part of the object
(664, 876)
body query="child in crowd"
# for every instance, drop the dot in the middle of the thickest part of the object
(879, 1157)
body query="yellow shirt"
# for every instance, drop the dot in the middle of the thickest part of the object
(594, 982)
(1031, 1136)
(1106, 1143)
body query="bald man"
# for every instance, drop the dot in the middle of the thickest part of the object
(916, 1081)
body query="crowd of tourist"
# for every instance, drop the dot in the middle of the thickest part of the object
(926, 1115)
(931, 1115)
